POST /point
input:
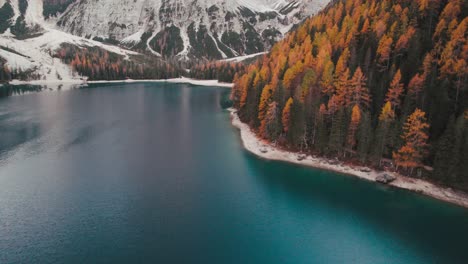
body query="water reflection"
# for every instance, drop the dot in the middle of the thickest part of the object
(10, 90)
(7, 90)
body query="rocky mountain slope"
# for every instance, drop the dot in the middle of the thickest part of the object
(28, 44)
(31, 31)
(212, 29)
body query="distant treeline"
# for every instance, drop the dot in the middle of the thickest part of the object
(99, 64)
(7, 74)
(9, 90)
(217, 70)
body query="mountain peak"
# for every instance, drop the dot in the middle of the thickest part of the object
(211, 29)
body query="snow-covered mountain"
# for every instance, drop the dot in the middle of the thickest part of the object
(32, 30)
(212, 29)
(28, 42)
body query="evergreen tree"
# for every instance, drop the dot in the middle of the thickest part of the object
(321, 139)
(364, 137)
(337, 133)
(297, 133)
(386, 119)
(463, 167)
(447, 154)
(271, 123)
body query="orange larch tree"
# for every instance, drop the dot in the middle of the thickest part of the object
(359, 93)
(395, 91)
(327, 78)
(384, 51)
(415, 85)
(353, 126)
(342, 87)
(415, 141)
(265, 99)
(286, 116)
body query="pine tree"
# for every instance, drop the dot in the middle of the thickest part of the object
(321, 140)
(386, 118)
(337, 133)
(462, 179)
(297, 133)
(271, 123)
(364, 136)
(447, 154)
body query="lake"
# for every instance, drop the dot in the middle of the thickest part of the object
(155, 173)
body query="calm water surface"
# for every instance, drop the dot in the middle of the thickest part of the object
(155, 173)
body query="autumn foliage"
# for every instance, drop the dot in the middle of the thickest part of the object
(415, 141)
(217, 70)
(99, 64)
(377, 79)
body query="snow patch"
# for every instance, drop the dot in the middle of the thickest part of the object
(15, 5)
(175, 80)
(34, 12)
(133, 39)
(15, 61)
(127, 20)
(217, 47)
(242, 58)
(38, 53)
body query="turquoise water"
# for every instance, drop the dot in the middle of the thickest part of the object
(155, 173)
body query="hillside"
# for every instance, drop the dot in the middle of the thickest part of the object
(33, 49)
(210, 29)
(60, 40)
(382, 83)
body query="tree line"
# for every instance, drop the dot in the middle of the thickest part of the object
(7, 74)
(99, 64)
(381, 83)
(217, 70)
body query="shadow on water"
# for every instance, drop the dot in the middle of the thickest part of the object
(88, 133)
(409, 217)
(13, 135)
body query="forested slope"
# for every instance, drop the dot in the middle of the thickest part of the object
(382, 83)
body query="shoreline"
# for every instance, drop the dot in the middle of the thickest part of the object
(265, 150)
(74, 82)
(185, 80)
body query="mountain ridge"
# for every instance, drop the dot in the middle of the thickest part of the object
(176, 30)
(214, 29)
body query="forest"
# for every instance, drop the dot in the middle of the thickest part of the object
(377, 83)
(217, 70)
(7, 74)
(99, 64)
